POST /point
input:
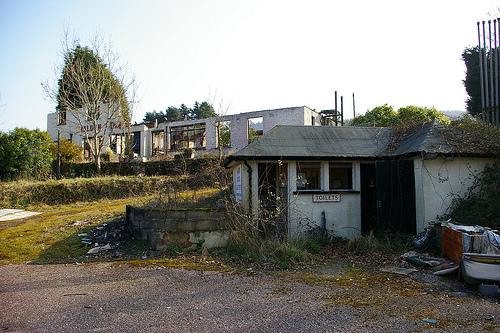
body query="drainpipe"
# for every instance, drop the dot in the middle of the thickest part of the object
(249, 184)
(323, 223)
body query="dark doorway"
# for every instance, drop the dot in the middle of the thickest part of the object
(395, 196)
(273, 197)
(368, 198)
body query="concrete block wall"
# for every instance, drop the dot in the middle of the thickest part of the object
(186, 228)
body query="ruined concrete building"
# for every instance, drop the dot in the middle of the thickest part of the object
(157, 139)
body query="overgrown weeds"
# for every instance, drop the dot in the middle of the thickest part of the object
(263, 240)
(382, 243)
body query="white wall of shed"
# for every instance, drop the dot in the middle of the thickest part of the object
(343, 218)
(438, 181)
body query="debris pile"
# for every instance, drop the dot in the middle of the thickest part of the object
(105, 239)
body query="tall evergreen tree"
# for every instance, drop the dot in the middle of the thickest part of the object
(472, 80)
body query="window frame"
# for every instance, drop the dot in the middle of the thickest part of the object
(331, 168)
(319, 180)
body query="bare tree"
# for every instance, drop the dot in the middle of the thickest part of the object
(92, 93)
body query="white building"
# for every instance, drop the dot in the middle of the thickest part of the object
(163, 138)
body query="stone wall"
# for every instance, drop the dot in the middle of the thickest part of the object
(186, 228)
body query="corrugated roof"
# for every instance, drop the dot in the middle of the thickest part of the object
(316, 142)
(324, 142)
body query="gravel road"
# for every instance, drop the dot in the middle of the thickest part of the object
(110, 297)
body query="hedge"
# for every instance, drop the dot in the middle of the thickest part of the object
(53, 192)
(153, 168)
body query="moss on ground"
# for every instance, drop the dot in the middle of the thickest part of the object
(51, 236)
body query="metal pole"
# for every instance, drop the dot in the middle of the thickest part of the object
(492, 96)
(353, 106)
(480, 53)
(336, 113)
(497, 69)
(486, 87)
(495, 115)
(341, 110)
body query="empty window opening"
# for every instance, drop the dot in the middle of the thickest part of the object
(192, 136)
(115, 143)
(308, 176)
(61, 118)
(136, 142)
(255, 128)
(340, 177)
(224, 133)
(158, 143)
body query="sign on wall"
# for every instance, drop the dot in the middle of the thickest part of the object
(237, 185)
(333, 197)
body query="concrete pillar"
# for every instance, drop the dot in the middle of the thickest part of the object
(167, 139)
(419, 195)
(211, 134)
(325, 175)
(356, 176)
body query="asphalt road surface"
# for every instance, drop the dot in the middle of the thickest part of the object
(109, 297)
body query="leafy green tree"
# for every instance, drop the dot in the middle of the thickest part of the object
(70, 152)
(198, 111)
(203, 110)
(386, 116)
(26, 154)
(186, 113)
(472, 81)
(173, 114)
(380, 116)
(421, 114)
(152, 116)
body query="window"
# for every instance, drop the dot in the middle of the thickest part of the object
(340, 176)
(192, 136)
(115, 143)
(255, 128)
(224, 134)
(136, 142)
(308, 176)
(158, 142)
(61, 118)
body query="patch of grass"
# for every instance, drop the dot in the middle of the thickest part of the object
(270, 254)
(196, 199)
(50, 236)
(57, 192)
(173, 250)
(385, 243)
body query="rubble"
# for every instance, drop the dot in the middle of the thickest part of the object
(105, 239)
(99, 249)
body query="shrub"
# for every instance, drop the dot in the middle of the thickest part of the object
(70, 152)
(481, 204)
(209, 166)
(25, 154)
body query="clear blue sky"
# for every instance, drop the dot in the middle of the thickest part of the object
(253, 54)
